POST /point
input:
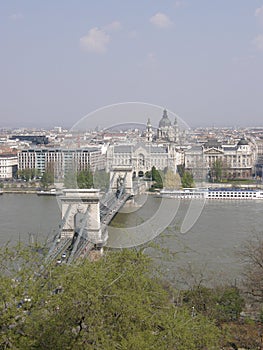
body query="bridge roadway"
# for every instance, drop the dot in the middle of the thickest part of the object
(68, 249)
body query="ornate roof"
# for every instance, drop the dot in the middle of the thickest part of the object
(243, 142)
(165, 121)
(212, 143)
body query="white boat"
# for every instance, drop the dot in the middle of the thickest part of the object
(52, 192)
(214, 193)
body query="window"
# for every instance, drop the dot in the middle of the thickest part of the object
(141, 159)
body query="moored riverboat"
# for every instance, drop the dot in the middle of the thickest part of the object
(213, 193)
(52, 192)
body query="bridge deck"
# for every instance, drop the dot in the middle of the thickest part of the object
(78, 245)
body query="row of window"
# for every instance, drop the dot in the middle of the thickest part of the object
(233, 195)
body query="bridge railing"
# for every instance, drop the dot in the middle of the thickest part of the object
(61, 247)
(79, 236)
(57, 237)
(84, 248)
(110, 204)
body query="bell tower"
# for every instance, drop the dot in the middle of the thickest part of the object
(149, 133)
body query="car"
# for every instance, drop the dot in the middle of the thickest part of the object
(59, 262)
(63, 256)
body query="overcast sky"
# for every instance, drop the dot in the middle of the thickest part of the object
(61, 60)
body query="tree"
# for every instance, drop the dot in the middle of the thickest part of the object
(116, 302)
(222, 304)
(47, 179)
(148, 175)
(181, 170)
(157, 178)
(216, 170)
(252, 256)
(172, 180)
(187, 180)
(28, 174)
(85, 179)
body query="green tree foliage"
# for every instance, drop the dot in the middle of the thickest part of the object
(216, 170)
(28, 174)
(157, 178)
(85, 179)
(187, 180)
(47, 179)
(229, 304)
(113, 303)
(148, 175)
(181, 170)
(172, 180)
(221, 304)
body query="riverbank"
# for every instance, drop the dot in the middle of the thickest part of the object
(16, 191)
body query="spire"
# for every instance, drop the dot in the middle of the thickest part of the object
(149, 133)
(148, 122)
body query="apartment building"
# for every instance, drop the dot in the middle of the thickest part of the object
(8, 166)
(60, 161)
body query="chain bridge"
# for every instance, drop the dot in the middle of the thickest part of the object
(86, 214)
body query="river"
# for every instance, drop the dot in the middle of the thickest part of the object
(208, 248)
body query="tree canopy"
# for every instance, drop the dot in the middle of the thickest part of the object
(187, 180)
(216, 170)
(119, 302)
(28, 174)
(85, 179)
(114, 303)
(81, 179)
(172, 180)
(47, 179)
(156, 178)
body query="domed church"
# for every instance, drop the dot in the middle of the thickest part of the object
(167, 131)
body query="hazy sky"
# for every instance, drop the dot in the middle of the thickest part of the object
(61, 60)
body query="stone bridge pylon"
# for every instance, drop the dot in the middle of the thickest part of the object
(86, 215)
(121, 178)
(81, 209)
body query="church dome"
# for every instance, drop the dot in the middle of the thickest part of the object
(243, 142)
(165, 121)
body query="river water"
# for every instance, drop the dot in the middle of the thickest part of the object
(24, 216)
(208, 248)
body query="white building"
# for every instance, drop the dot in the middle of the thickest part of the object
(237, 160)
(143, 156)
(8, 166)
(61, 160)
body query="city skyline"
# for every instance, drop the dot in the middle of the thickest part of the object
(201, 61)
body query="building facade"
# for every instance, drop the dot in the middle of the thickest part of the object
(8, 166)
(157, 148)
(60, 161)
(237, 161)
(143, 156)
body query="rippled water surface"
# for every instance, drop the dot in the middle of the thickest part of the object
(210, 245)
